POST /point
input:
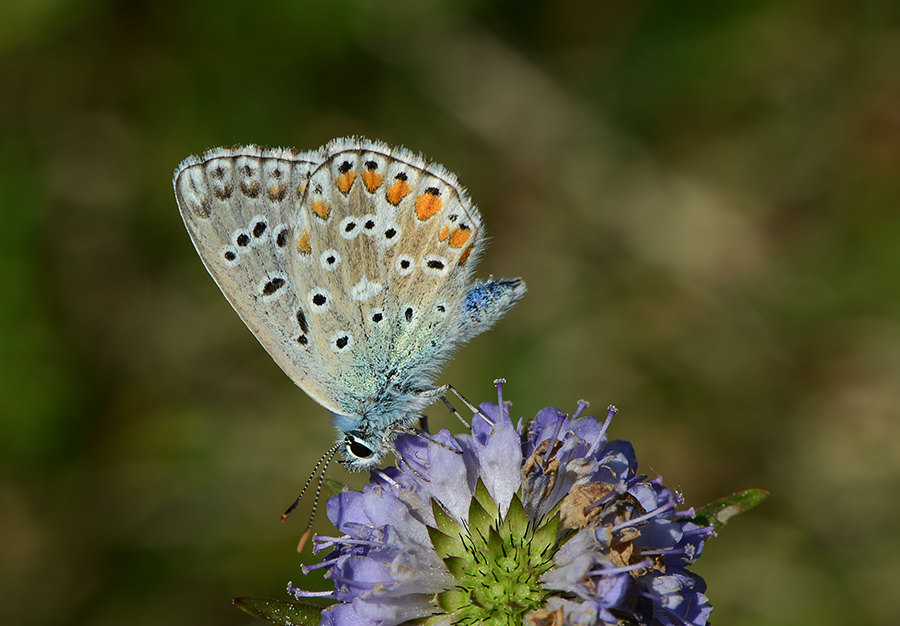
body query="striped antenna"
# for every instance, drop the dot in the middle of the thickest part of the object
(324, 461)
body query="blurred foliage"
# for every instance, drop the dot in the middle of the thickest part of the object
(703, 198)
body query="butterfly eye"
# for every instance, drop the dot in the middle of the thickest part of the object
(358, 449)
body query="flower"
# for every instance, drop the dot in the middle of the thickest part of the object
(544, 523)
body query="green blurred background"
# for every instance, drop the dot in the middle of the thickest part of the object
(702, 197)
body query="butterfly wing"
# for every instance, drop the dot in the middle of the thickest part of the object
(393, 241)
(243, 209)
(351, 264)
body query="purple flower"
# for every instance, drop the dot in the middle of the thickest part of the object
(544, 523)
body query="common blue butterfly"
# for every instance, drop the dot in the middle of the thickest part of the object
(352, 264)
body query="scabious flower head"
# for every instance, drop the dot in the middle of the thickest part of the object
(543, 523)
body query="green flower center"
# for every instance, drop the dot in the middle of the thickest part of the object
(497, 562)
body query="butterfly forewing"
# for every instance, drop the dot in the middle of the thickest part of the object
(242, 208)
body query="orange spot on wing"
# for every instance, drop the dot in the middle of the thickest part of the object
(345, 181)
(460, 236)
(277, 192)
(397, 192)
(303, 246)
(445, 232)
(372, 180)
(465, 255)
(427, 205)
(320, 209)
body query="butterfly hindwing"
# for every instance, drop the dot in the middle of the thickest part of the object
(390, 237)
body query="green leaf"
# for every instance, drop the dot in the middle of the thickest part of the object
(719, 512)
(281, 612)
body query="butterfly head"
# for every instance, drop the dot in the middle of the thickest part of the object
(363, 451)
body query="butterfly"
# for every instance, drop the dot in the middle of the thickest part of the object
(352, 265)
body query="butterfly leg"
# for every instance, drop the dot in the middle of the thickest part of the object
(427, 437)
(403, 460)
(475, 410)
(453, 410)
(443, 389)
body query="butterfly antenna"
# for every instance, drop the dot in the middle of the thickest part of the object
(326, 459)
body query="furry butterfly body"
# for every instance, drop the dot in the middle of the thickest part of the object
(352, 265)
